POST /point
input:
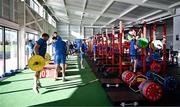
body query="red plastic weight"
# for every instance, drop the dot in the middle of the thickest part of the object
(152, 91)
(127, 76)
(156, 67)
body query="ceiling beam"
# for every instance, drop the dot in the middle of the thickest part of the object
(122, 18)
(33, 16)
(148, 15)
(38, 20)
(84, 7)
(122, 14)
(102, 12)
(158, 16)
(142, 3)
(156, 12)
(64, 4)
(125, 12)
(174, 5)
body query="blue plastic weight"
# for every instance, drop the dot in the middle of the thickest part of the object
(170, 83)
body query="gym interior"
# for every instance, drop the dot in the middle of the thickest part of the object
(89, 53)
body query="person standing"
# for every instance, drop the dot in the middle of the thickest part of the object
(39, 49)
(30, 46)
(82, 54)
(133, 51)
(60, 56)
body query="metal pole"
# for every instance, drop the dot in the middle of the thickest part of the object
(144, 50)
(106, 46)
(164, 47)
(120, 46)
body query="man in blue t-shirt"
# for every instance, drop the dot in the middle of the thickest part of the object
(95, 50)
(40, 49)
(82, 53)
(133, 52)
(60, 56)
(30, 47)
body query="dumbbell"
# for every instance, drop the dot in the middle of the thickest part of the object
(112, 85)
(169, 82)
(123, 104)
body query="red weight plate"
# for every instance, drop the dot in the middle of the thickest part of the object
(153, 91)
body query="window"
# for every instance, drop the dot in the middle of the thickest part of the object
(34, 38)
(36, 7)
(11, 58)
(1, 53)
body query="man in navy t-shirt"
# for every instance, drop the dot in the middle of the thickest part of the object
(60, 56)
(40, 49)
(133, 52)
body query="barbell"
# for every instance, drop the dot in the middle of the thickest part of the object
(156, 44)
(149, 89)
(169, 82)
(142, 42)
(47, 58)
(37, 62)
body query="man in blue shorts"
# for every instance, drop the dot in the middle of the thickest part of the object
(30, 47)
(82, 54)
(60, 56)
(133, 52)
(94, 50)
(39, 49)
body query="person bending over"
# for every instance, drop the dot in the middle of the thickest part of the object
(39, 49)
(60, 56)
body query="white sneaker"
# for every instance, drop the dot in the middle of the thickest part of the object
(82, 67)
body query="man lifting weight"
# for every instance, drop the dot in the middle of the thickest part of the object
(39, 49)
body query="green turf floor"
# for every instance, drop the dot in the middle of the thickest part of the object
(16, 91)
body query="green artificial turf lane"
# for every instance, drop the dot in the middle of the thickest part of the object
(17, 90)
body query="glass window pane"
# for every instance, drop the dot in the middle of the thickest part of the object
(10, 49)
(1, 53)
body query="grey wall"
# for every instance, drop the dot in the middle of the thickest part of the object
(176, 31)
(69, 31)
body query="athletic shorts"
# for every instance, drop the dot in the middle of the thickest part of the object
(60, 59)
(133, 57)
(82, 55)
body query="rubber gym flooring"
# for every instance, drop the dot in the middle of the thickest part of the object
(80, 89)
